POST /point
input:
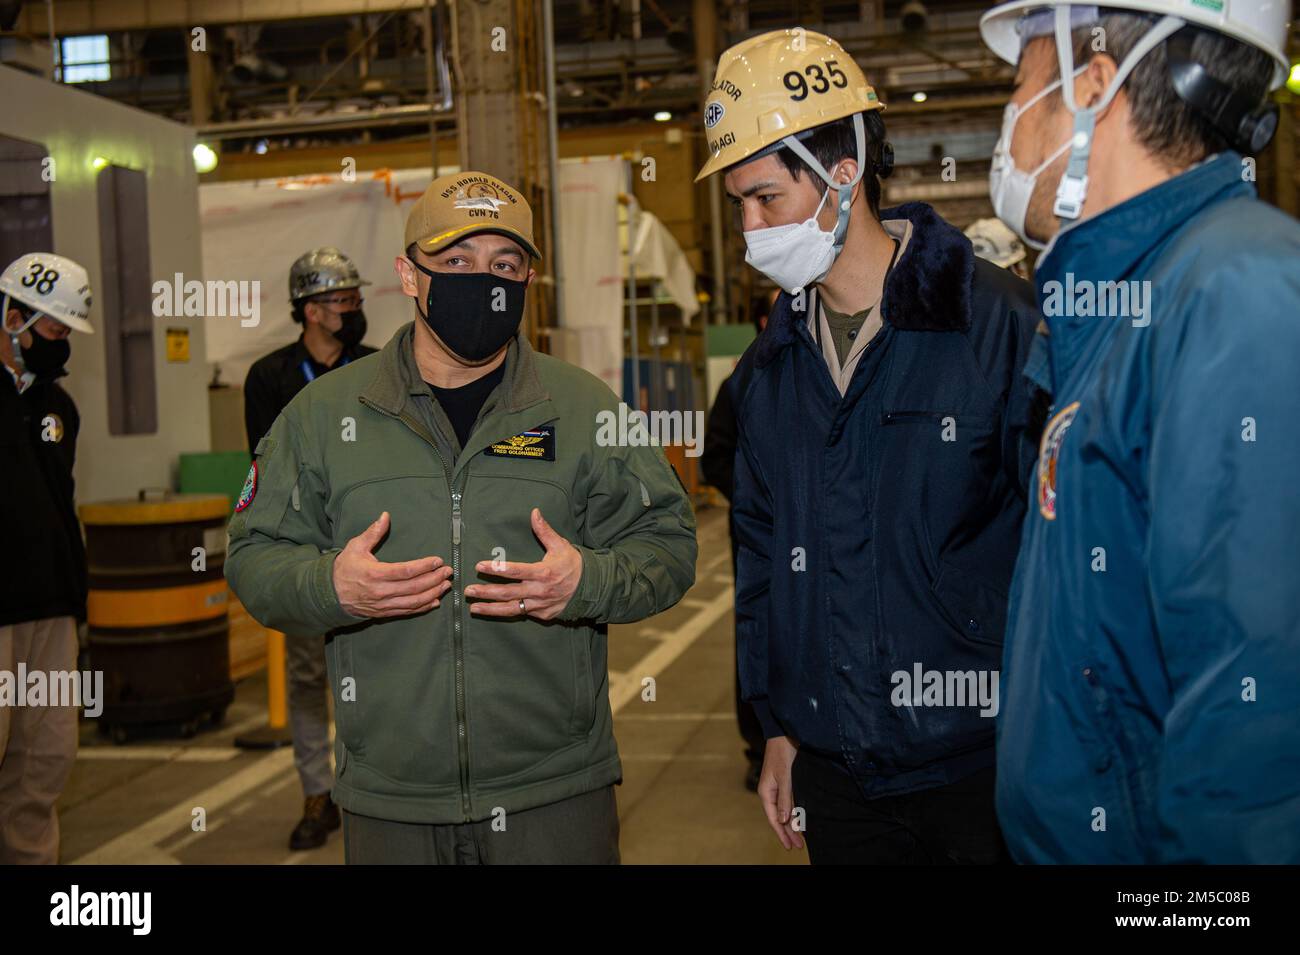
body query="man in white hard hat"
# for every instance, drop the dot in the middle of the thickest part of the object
(43, 299)
(325, 294)
(885, 438)
(1152, 668)
(993, 240)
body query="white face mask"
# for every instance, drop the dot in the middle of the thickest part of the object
(794, 255)
(1009, 187)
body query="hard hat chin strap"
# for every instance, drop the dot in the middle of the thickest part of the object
(4, 317)
(1073, 188)
(844, 190)
(14, 334)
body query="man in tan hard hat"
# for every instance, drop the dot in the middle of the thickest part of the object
(448, 514)
(885, 439)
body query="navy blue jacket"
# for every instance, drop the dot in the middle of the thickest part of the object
(44, 568)
(1151, 701)
(878, 531)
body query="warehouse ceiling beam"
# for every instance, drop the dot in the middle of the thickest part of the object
(303, 123)
(704, 18)
(74, 17)
(500, 83)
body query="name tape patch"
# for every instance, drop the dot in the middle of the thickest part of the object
(538, 444)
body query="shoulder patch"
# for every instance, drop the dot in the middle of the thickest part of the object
(1048, 454)
(250, 489)
(537, 443)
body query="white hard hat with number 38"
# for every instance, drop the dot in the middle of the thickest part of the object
(52, 285)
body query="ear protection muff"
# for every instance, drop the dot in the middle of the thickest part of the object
(1249, 126)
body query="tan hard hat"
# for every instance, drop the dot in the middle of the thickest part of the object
(776, 85)
(466, 203)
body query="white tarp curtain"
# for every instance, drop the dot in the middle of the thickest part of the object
(592, 336)
(656, 254)
(255, 230)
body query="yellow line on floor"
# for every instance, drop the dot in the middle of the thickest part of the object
(628, 687)
(673, 717)
(140, 844)
(677, 757)
(179, 754)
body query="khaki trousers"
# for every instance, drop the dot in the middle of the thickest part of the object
(580, 830)
(38, 744)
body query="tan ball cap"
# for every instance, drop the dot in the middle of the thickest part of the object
(465, 203)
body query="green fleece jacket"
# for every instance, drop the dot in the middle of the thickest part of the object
(445, 716)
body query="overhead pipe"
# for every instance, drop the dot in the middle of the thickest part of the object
(56, 53)
(270, 126)
(553, 158)
(706, 39)
(429, 30)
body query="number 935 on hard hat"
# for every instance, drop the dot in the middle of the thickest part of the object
(776, 85)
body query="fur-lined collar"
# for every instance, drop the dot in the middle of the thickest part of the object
(928, 289)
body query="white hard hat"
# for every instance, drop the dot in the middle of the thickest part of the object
(992, 240)
(1259, 23)
(52, 285)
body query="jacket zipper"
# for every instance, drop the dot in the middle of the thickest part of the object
(462, 737)
(462, 740)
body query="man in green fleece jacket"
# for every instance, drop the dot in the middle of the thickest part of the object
(445, 513)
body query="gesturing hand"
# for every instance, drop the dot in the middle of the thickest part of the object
(544, 588)
(368, 587)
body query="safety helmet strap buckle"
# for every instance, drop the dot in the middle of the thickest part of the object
(1073, 187)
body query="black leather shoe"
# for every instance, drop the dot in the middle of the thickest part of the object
(320, 817)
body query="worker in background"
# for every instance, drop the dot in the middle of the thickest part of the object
(325, 291)
(717, 462)
(994, 242)
(445, 513)
(1152, 669)
(43, 299)
(884, 445)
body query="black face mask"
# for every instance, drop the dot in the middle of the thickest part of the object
(468, 313)
(45, 356)
(352, 330)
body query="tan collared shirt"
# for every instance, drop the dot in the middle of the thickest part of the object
(842, 372)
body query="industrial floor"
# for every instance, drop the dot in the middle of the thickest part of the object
(683, 798)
